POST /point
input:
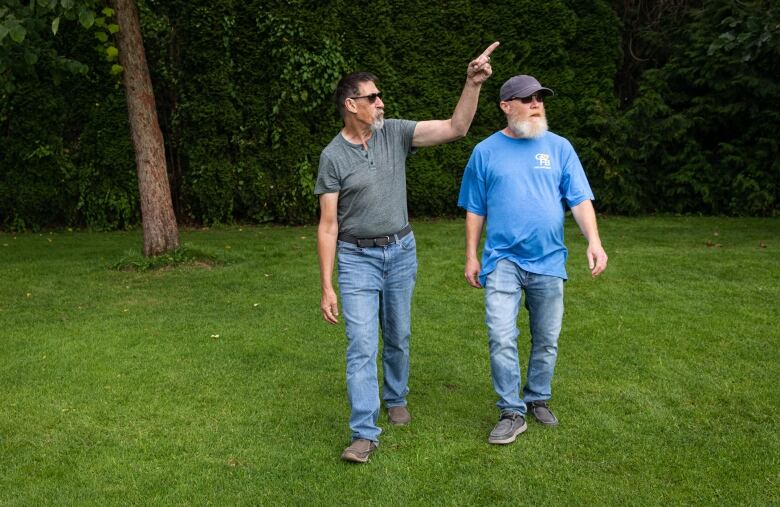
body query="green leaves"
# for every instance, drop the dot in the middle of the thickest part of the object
(86, 18)
(17, 20)
(103, 34)
(17, 33)
(308, 64)
(30, 57)
(27, 38)
(12, 27)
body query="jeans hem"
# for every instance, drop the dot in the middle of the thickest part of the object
(375, 440)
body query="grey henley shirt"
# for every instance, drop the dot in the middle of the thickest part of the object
(371, 183)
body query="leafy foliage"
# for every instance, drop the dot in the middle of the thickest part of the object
(27, 30)
(706, 120)
(670, 104)
(65, 156)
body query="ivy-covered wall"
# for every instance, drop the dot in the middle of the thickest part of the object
(243, 93)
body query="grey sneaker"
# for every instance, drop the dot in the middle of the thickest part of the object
(399, 416)
(359, 450)
(509, 426)
(542, 413)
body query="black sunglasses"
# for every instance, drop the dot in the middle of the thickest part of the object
(371, 97)
(527, 100)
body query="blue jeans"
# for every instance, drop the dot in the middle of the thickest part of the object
(376, 286)
(544, 301)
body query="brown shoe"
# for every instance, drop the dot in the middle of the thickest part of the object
(399, 416)
(359, 450)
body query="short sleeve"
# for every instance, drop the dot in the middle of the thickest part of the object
(574, 184)
(327, 177)
(405, 129)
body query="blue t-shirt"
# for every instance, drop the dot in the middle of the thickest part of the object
(520, 186)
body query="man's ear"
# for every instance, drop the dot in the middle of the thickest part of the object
(504, 106)
(350, 105)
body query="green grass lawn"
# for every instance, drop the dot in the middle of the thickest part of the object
(224, 386)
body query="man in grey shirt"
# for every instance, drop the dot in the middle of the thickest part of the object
(363, 218)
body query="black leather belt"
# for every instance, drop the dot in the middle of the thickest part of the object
(380, 241)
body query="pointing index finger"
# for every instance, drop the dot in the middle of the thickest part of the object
(490, 49)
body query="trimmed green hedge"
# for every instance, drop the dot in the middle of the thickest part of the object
(243, 94)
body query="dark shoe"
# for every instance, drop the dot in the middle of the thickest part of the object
(541, 412)
(509, 426)
(359, 450)
(399, 416)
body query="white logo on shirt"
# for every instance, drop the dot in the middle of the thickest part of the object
(544, 161)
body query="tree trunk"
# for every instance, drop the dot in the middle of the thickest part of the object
(159, 222)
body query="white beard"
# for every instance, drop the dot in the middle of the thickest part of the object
(378, 123)
(528, 129)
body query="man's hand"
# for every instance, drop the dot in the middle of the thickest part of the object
(597, 259)
(330, 306)
(434, 132)
(479, 69)
(473, 268)
(585, 216)
(474, 225)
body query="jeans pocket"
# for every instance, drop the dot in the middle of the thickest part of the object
(408, 242)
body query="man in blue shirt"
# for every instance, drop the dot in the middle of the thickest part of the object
(520, 179)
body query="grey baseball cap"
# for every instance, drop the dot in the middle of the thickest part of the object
(522, 86)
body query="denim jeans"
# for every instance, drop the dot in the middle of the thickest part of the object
(376, 286)
(544, 301)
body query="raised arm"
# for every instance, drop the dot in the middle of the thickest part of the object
(433, 132)
(474, 224)
(585, 216)
(327, 235)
